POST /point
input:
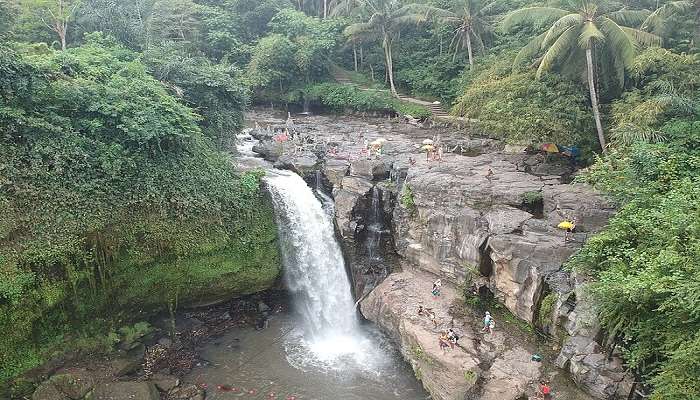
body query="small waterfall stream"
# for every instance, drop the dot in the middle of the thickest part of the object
(375, 227)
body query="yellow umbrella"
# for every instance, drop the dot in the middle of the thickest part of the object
(566, 225)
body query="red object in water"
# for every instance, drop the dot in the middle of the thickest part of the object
(271, 395)
(224, 388)
(290, 397)
(252, 391)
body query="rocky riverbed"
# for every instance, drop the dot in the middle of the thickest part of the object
(484, 220)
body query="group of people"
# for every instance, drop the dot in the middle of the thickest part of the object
(448, 338)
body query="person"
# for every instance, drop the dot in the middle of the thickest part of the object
(443, 341)
(420, 310)
(439, 153)
(431, 315)
(436, 287)
(411, 161)
(568, 226)
(487, 322)
(452, 336)
(545, 392)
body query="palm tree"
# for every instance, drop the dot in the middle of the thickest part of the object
(578, 33)
(657, 21)
(384, 20)
(470, 18)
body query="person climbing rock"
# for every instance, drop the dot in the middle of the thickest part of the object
(436, 287)
(489, 324)
(544, 392)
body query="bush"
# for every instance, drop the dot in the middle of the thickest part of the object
(342, 97)
(520, 108)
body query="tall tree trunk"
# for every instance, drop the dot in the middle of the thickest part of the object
(325, 8)
(362, 58)
(390, 65)
(354, 54)
(469, 51)
(594, 98)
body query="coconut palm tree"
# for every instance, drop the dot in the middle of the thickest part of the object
(657, 21)
(384, 19)
(585, 30)
(470, 17)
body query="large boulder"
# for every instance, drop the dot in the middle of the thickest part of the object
(71, 384)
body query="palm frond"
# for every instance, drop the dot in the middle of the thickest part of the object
(565, 43)
(656, 21)
(408, 19)
(358, 29)
(561, 25)
(643, 38)
(589, 34)
(529, 51)
(428, 11)
(627, 17)
(620, 46)
(532, 15)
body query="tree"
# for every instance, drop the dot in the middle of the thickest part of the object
(586, 31)
(174, 20)
(658, 21)
(470, 18)
(384, 20)
(54, 14)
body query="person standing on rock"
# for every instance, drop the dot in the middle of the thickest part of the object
(452, 336)
(488, 323)
(436, 287)
(431, 315)
(444, 341)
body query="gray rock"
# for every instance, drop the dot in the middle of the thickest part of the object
(75, 384)
(335, 171)
(302, 164)
(165, 383)
(370, 169)
(47, 391)
(124, 391)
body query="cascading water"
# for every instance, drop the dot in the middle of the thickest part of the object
(374, 227)
(314, 266)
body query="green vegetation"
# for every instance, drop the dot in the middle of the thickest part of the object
(115, 194)
(547, 309)
(115, 203)
(407, 200)
(338, 97)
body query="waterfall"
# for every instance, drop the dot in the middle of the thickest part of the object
(314, 266)
(374, 227)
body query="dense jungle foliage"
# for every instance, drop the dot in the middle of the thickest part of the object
(110, 142)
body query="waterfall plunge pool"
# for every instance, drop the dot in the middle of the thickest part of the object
(278, 363)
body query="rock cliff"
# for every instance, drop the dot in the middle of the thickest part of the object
(483, 220)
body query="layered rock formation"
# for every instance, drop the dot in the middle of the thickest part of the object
(480, 218)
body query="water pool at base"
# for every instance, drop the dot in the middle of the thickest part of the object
(277, 363)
